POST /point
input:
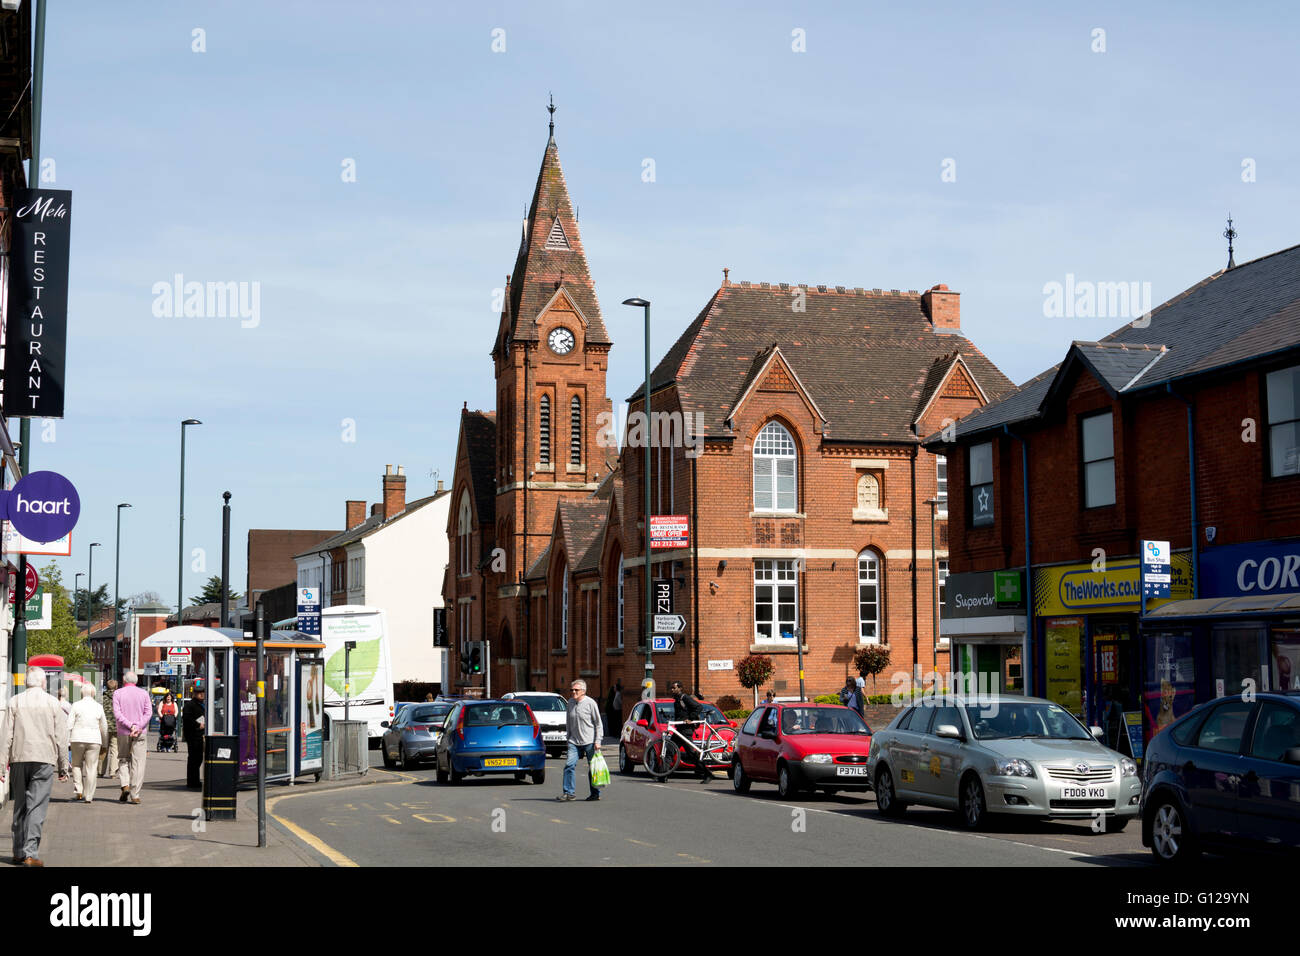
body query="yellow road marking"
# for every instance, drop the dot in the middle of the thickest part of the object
(317, 844)
(554, 820)
(592, 829)
(639, 843)
(393, 820)
(425, 819)
(693, 859)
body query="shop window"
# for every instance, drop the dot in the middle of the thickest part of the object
(1282, 390)
(776, 601)
(980, 482)
(1285, 654)
(774, 469)
(1064, 661)
(1098, 460)
(1236, 659)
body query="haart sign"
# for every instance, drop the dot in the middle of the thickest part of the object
(42, 506)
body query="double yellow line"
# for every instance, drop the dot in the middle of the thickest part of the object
(315, 842)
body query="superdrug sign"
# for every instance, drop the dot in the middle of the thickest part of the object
(36, 329)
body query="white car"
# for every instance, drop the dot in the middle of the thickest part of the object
(552, 714)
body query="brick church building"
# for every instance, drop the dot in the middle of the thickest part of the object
(801, 471)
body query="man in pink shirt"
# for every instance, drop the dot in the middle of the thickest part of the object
(132, 708)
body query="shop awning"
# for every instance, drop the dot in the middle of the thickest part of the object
(963, 626)
(190, 635)
(1251, 605)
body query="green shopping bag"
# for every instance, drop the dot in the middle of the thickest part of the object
(599, 770)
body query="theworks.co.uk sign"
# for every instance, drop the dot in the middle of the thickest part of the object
(36, 334)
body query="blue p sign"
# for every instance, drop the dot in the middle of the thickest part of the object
(43, 506)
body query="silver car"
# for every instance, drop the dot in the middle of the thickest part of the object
(1013, 755)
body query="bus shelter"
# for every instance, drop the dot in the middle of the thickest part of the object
(225, 666)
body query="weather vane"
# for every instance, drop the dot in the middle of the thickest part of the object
(551, 109)
(1230, 234)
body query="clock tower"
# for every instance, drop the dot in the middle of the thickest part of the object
(550, 358)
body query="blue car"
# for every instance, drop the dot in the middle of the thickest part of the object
(1225, 776)
(491, 737)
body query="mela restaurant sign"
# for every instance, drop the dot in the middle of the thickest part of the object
(36, 334)
(42, 506)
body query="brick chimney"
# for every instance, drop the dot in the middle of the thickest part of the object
(394, 491)
(441, 489)
(943, 307)
(356, 513)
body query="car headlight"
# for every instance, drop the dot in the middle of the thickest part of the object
(818, 758)
(1013, 768)
(1128, 768)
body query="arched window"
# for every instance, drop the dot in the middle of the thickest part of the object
(774, 469)
(575, 431)
(463, 528)
(564, 609)
(544, 439)
(619, 578)
(869, 598)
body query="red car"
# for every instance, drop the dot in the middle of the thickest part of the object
(646, 724)
(803, 746)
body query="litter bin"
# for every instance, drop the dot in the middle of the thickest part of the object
(220, 776)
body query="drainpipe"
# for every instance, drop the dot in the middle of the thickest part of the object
(1191, 484)
(916, 640)
(695, 560)
(1027, 589)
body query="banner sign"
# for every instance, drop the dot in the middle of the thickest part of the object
(43, 506)
(663, 596)
(1256, 567)
(15, 543)
(36, 335)
(1078, 589)
(670, 531)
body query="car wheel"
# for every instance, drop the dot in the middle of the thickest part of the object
(830, 791)
(1116, 824)
(388, 761)
(403, 761)
(739, 779)
(521, 777)
(974, 812)
(1171, 839)
(539, 777)
(452, 775)
(887, 801)
(625, 764)
(785, 784)
(438, 771)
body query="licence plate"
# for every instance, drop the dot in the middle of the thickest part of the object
(850, 771)
(501, 762)
(1083, 793)
(557, 735)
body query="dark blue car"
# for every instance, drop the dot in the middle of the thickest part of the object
(491, 737)
(1225, 776)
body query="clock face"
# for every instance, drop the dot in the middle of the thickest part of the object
(561, 341)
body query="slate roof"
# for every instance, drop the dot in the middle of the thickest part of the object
(864, 357)
(538, 570)
(481, 447)
(1232, 316)
(539, 271)
(580, 525)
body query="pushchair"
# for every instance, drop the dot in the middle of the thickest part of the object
(167, 733)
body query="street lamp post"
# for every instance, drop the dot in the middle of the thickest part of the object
(180, 550)
(645, 480)
(117, 577)
(90, 583)
(76, 589)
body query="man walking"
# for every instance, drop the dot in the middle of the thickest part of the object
(132, 709)
(194, 720)
(108, 759)
(88, 731)
(584, 737)
(35, 740)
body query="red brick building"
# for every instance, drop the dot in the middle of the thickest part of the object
(1211, 377)
(271, 561)
(786, 425)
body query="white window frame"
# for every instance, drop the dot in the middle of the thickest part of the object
(941, 485)
(1090, 484)
(872, 561)
(1275, 384)
(769, 576)
(767, 459)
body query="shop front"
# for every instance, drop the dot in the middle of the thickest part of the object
(1086, 619)
(984, 622)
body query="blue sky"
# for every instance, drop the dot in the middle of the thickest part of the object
(822, 166)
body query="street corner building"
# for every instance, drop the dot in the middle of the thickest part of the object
(1182, 427)
(784, 434)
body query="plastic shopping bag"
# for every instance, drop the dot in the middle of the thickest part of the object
(599, 770)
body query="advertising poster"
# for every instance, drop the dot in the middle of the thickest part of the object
(247, 717)
(311, 720)
(1169, 682)
(1064, 659)
(1285, 653)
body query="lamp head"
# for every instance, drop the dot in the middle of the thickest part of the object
(640, 302)
(191, 421)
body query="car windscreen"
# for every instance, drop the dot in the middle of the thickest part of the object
(821, 720)
(708, 712)
(428, 715)
(544, 702)
(1002, 720)
(497, 715)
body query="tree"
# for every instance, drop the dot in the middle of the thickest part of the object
(99, 603)
(211, 593)
(63, 637)
(870, 660)
(754, 671)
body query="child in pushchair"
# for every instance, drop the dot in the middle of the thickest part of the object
(167, 726)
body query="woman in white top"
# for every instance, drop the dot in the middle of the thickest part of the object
(87, 730)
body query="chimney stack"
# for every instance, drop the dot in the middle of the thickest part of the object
(356, 513)
(943, 307)
(394, 491)
(441, 489)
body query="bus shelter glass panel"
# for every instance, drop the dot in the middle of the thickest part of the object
(1236, 661)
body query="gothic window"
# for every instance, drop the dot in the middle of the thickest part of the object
(619, 578)
(575, 431)
(564, 609)
(868, 598)
(774, 469)
(544, 440)
(463, 528)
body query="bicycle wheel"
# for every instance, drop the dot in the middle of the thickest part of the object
(661, 758)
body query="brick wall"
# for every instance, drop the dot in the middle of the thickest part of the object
(270, 556)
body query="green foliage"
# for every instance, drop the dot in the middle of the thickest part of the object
(211, 593)
(62, 638)
(737, 715)
(755, 671)
(826, 699)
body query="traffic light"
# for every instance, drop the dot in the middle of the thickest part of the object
(476, 657)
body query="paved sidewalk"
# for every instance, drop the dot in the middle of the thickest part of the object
(165, 829)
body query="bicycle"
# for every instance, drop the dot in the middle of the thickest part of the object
(664, 755)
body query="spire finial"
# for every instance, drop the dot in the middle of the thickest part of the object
(1230, 234)
(551, 109)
